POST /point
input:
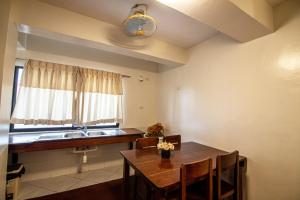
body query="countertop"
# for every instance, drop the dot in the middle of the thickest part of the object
(24, 142)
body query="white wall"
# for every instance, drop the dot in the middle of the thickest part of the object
(246, 97)
(141, 105)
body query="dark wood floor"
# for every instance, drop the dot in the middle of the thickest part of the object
(111, 190)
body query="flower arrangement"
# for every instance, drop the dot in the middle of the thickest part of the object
(156, 130)
(165, 146)
(166, 149)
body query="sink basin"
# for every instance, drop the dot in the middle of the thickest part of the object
(51, 136)
(59, 136)
(113, 132)
(74, 135)
(96, 133)
(79, 134)
(105, 132)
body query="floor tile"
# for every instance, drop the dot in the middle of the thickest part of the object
(57, 184)
(52, 185)
(99, 176)
(82, 183)
(81, 175)
(117, 173)
(30, 191)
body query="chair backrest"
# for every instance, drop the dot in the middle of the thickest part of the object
(143, 143)
(190, 172)
(174, 139)
(224, 163)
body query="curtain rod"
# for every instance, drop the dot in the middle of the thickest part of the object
(123, 75)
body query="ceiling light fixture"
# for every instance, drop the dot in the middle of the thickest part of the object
(139, 23)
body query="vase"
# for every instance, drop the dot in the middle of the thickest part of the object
(165, 154)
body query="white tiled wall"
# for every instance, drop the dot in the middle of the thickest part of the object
(45, 164)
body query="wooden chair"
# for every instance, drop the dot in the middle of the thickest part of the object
(174, 139)
(143, 143)
(140, 184)
(190, 187)
(225, 163)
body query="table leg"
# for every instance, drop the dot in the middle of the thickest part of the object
(126, 186)
(243, 169)
(14, 158)
(130, 145)
(158, 195)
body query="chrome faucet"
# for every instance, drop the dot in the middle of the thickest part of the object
(84, 129)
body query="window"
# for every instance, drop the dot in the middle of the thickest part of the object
(31, 128)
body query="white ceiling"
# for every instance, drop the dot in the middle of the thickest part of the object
(275, 2)
(173, 27)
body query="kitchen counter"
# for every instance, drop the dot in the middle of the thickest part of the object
(27, 142)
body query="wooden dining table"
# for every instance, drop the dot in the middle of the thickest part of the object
(163, 174)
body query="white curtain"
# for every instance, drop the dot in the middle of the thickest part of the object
(55, 94)
(45, 94)
(100, 97)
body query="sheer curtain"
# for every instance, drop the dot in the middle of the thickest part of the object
(100, 97)
(46, 94)
(56, 94)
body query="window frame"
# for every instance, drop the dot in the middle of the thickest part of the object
(13, 103)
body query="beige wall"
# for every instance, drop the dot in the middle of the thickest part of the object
(4, 11)
(8, 38)
(246, 97)
(4, 16)
(141, 108)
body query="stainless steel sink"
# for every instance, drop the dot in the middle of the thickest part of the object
(79, 134)
(51, 136)
(104, 132)
(60, 136)
(113, 132)
(96, 133)
(74, 135)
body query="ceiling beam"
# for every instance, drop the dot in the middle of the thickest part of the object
(242, 20)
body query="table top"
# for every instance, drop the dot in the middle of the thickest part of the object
(165, 173)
